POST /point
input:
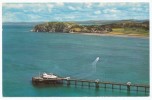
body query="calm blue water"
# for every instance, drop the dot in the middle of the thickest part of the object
(26, 53)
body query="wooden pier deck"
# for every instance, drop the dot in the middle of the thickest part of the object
(93, 83)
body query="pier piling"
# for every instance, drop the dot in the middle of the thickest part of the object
(112, 86)
(120, 86)
(75, 82)
(105, 85)
(68, 82)
(97, 84)
(128, 87)
(89, 83)
(82, 83)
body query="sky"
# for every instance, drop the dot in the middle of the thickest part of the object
(38, 12)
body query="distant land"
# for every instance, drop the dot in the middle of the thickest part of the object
(129, 27)
(109, 27)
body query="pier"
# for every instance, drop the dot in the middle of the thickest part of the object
(91, 83)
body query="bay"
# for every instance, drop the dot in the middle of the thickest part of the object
(26, 54)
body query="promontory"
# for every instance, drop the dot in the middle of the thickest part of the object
(120, 27)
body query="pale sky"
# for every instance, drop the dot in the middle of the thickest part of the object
(35, 12)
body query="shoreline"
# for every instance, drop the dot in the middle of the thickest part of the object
(114, 35)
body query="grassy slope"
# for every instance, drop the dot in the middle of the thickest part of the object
(129, 31)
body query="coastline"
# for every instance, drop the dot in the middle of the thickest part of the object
(114, 35)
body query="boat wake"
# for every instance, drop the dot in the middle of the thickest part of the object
(94, 64)
(87, 72)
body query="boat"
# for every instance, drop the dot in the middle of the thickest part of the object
(49, 76)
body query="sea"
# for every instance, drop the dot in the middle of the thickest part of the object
(107, 58)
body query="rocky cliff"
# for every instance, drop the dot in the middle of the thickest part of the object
(69, 27)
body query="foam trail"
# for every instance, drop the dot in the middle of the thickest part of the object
(95, 63)
(83, 73)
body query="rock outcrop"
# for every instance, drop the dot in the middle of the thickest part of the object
(68, 27)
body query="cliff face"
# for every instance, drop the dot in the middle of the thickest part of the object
(67, 27)
(53, 27)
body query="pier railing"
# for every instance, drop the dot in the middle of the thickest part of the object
(93, 83)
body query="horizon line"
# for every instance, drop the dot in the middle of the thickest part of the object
(72, 21)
